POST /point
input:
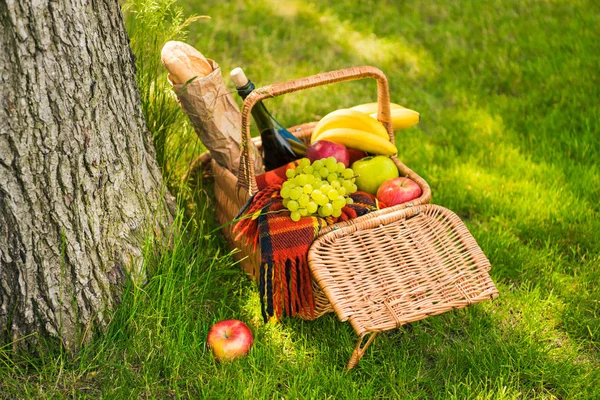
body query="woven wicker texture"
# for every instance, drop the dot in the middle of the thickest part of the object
(400, 267)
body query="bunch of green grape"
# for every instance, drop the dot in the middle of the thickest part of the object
(321, 188)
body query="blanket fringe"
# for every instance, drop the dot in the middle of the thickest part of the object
(285, 283)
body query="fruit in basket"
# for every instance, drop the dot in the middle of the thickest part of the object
(324, 148)
(371, 172)
(346, 118)
(370, 108)
(356, 155)
(402, 118)
(397, 191)
(360, 140)
(320, 188)
(229, 339)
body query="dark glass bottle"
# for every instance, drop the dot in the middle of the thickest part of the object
(279, 145)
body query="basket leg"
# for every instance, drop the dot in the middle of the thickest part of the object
(360, 350)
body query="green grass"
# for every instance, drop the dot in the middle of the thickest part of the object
(509, 94)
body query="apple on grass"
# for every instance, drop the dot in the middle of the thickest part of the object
(373, 171)
(397, 191)
(324, 148)
(229, 339)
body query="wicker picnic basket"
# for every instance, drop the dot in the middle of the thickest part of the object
(383, 269)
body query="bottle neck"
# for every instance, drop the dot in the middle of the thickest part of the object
(261, 115)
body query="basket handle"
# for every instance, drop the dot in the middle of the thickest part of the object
(246, 178)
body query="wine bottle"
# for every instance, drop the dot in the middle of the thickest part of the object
(279, 145)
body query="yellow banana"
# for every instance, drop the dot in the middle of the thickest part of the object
(370, 108)
(346, 118)
(402, 118)
(360, 140)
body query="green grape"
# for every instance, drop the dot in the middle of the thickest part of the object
(312, 207)
(295, 216)
(301, 180)
(288, 185)
(292, 205)
(303, 200)
(318, 188)
(347, 185)
(295, 193)
(331, 164)
(316, 193)
(339, 202)
(304, 162)
(332, 194)
(327, 209)
(322, 200)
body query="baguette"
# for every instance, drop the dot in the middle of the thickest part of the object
(184, 62)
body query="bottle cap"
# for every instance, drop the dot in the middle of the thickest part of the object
(238, 77)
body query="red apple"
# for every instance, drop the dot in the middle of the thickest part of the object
(397, 191)
(229, 339)
(356, 155)
(324, 148)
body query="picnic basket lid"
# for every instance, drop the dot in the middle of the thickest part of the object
(383, 272)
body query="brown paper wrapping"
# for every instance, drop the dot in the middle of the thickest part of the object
(216, 118)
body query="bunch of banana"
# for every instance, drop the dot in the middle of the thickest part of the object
(356, 130)
(358, 127)
(401, 117)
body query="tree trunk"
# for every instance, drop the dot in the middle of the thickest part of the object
(79, 186)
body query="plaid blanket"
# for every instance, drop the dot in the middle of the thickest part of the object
(285, 284)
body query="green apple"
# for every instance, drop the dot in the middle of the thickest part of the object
(371, 172)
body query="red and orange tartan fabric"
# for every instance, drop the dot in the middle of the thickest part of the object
(285, 284)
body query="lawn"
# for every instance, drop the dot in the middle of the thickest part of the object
(509, 139)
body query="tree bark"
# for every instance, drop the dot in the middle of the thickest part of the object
(79, 186)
